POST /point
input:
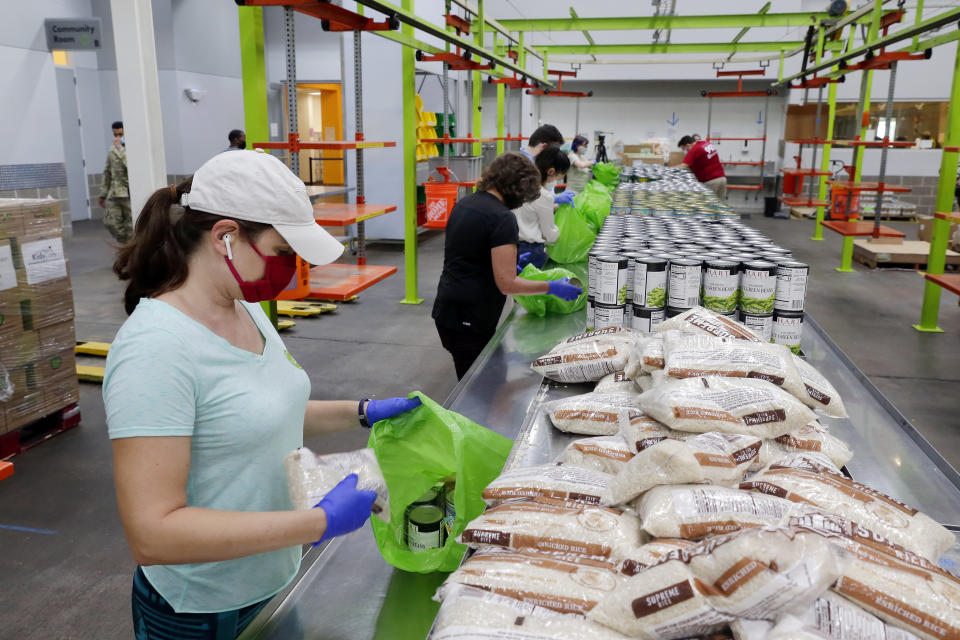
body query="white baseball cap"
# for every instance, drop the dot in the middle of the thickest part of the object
(257, 187)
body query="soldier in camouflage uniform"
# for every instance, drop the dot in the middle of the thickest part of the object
(115, 190)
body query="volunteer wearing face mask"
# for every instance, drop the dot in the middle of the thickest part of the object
(203, 400)
(535, 219)
(480, 260)
(580, 172)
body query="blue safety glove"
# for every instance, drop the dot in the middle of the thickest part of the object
(523, 260)
(564, 198)
(378, 410)
(563, 289)
(346, 508)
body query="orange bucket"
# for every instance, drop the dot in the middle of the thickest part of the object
(840, 198)
(299, 287)
(441, 196)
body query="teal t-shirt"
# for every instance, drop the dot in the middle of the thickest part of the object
(168, 375)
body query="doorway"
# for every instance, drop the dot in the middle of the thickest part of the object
(320, 117)
(73, 156)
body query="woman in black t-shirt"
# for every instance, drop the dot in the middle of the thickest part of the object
(480, 260)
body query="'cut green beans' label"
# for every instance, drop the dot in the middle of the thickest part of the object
(758, 288)
(720, 288)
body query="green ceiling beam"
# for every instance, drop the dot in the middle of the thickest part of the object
(763, 11)
(731, 21)
(586, 34)
(673, 47)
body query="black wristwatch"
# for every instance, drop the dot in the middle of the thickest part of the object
(363, 414)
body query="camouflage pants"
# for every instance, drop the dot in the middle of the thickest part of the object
(118, 220)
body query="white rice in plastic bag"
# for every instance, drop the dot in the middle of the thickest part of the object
(805, 460)
(618, 382)
(810, 438)
(706, 322)
(695, 511)
(732, 405)
(603, 453)
(871, 509)
(654, 552)
(564, 583)
(310, 477)
(587, 357)
(900, 587)
(836, 618)
(593, 414)
(689, 356)
(556, 526)
(642, 431)
(819, 393)
(468, 613)
(564, 482)
(651, 352)
(712, 458)
(757, 574)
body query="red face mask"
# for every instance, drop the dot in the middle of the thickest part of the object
(277, 275)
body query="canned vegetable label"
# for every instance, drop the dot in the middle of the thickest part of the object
(683, 285)
(650, 283)
(611, 280)
(608, 315)
(646, 320)
(788, 329)
(760, 324)
(791, 286)
(721, 282)
(425, 528)
(758, 284)
(590, 315)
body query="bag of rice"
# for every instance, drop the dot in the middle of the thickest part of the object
(564, 583)
(603, 453)
(869, 508)
(706, 322)
(654, 552)
(689, 356)
(643, 383)
(901, 588)
(563, 482)
(805, 460)
(757, 574)
(618, 382)
(819, 393)
(468, 613)
(712, 458)
(750, 629)
(549, 525)
(697, 510)
(811, 438)
(642, 431)
(587, 357)
(836, 618)
(651, 353)
(593, 414)
(310, 477)
(732, 405)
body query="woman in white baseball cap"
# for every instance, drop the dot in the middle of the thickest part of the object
(203, 400)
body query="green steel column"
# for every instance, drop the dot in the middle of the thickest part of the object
(254, 77)
(501, 94)
(477, 97)
(945, 193)
(780, 74)
(408, 71)
(825, 163)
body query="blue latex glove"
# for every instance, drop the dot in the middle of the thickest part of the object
(564, 198)
(346, 508)
(378, 410)
(523, 260)
(563, 289)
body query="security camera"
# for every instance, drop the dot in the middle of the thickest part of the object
(194, 95)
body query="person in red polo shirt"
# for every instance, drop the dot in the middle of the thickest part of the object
(702, 159)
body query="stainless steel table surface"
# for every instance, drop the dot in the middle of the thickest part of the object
(347, 592)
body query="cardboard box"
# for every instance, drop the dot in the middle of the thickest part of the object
(51, 366)
(57, 337)
(676, 157)
(925, 228)
(23, 411)
(61, 392)
(20, 216)
(44, 310)
(18, 349)
(41, 259)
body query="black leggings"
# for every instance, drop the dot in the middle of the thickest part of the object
(155, 619)
(464, 346)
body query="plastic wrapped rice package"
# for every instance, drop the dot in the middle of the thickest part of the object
(310, 477)
(607, 454)
(550, 525)
(819, 393)
(469, 613)
(593, 414)
(703, 321)
(834, 618)
(564, 583)
(712, 458)
(642, 431)
(689, 356)
(587, 357)
(732, 405)
(618, 382)
(564, 482)
(810, 438)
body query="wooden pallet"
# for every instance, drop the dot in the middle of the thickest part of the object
(40, 430)
(911, 254)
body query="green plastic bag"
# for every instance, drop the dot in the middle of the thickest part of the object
(607, 173)
(416, 451)
(576, 236)
(540, 305)
(594, 203)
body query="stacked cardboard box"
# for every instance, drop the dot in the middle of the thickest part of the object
(37, 336)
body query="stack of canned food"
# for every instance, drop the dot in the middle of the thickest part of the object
(645, 269)
(429, 519)
(674, 196)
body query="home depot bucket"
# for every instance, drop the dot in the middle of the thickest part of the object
(441, 196)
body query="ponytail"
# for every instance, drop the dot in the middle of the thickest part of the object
(156, 259)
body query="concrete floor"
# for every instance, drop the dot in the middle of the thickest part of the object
(69, 575)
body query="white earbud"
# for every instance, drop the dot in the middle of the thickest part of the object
(226, 241)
